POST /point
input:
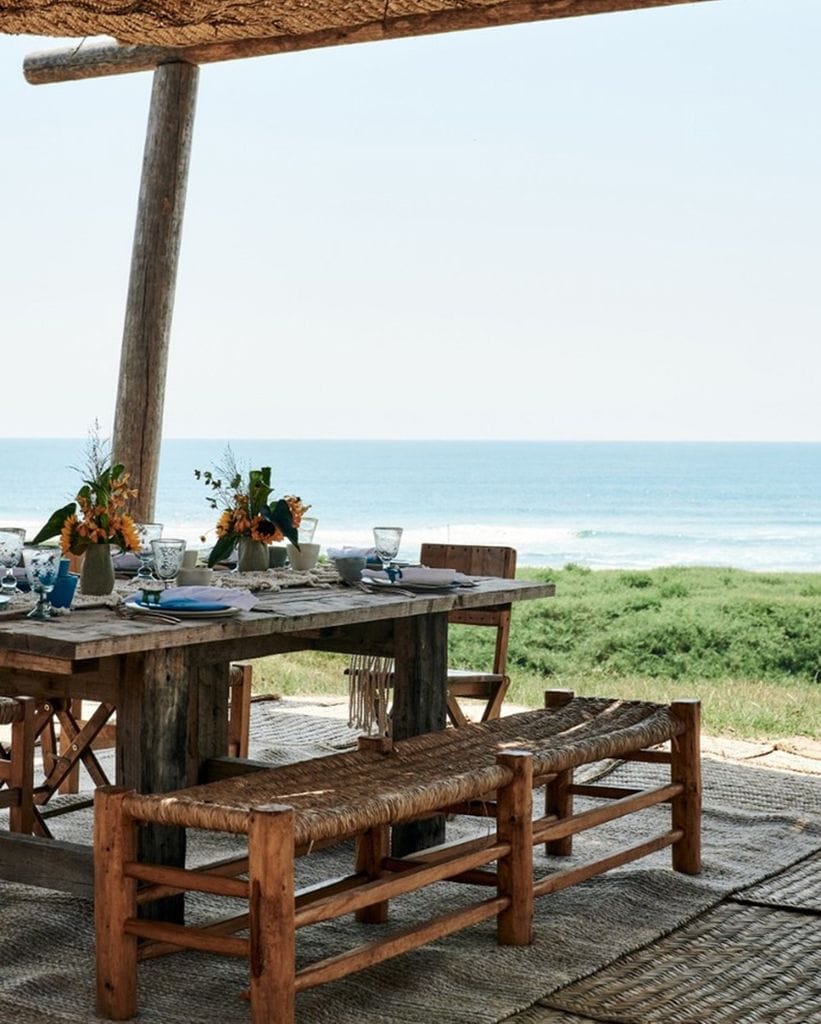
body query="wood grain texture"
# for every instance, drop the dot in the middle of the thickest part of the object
(204, 31)
(154, 260)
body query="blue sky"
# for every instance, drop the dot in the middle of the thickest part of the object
(596, 228)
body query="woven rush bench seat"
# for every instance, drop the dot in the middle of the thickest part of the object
(488, 768)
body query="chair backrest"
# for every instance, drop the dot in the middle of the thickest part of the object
(476, 560)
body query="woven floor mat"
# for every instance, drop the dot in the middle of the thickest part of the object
(756, 823)
(733, 965)
(798, 888)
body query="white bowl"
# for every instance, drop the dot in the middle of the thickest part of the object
(304, 557)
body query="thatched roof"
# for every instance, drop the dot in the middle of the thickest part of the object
(294, 24)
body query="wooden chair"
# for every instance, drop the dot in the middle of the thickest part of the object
(490, 686)
(72, 725)
(17, 763)
(371, 677)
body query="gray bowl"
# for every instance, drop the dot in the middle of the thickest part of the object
(350, 568)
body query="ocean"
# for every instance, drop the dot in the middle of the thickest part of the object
(602, 505)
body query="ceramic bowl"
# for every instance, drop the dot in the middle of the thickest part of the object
(350, 567)
(305, 557)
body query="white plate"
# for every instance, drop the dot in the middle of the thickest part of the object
(4, 600)
(183, 613)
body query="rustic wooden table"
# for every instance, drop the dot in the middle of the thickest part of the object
(169, 684)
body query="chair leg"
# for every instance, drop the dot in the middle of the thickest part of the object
(455, 713)
(21, 769)
(239, 710)
(493, 708)
(71, 783)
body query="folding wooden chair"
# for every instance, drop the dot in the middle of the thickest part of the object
(490, 686)
(17, 763)
(370, 677)
(72, 725)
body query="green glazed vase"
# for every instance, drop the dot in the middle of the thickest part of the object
(97, 574)
(253, 555)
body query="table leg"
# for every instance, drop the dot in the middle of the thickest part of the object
(419, 706)
(170, 719)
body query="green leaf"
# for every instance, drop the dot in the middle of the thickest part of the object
(221, 550)
(280, 515)
(55, 523)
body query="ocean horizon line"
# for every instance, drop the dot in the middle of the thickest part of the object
(82, 439)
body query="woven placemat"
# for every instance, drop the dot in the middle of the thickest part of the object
(797, 888)
(733, 965)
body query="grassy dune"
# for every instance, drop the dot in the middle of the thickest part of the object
(747, 644)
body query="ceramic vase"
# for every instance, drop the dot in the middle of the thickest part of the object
(97, 576)
(253, 555)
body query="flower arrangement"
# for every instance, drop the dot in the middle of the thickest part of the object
(247, 508)
(98, 514)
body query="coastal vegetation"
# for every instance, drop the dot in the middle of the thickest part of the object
(747, 644)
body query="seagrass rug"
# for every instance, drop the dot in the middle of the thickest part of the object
(758, 824)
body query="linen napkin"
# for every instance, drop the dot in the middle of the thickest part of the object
(234, 597)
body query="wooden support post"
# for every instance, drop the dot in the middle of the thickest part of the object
(558, 800)
(271, 915)
(154, 260)
(514, 825)
(115, 901)
(685, 768)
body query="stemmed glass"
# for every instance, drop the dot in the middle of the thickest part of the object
(42, 565)
(11, 547)
(386, 540)
(148, 533)
(168, 554)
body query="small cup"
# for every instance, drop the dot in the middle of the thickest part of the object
(190, 558)
(64, 588)
(350, 567)
(307, 529)
(277, 556)
(194, 577)
(304, 557)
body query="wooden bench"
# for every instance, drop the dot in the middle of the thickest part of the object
(488, 768)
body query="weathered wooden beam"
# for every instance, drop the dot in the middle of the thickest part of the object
(259, 39)
(154, 260)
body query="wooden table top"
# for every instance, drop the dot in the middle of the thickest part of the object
(100, 632)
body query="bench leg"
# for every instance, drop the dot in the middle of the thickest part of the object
(115, 900)
(271, 910)
(372, 847)
(558, 801)
(514, 825)
(685, 768)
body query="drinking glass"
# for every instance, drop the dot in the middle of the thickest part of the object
(42, 565)
(386, 540)
(148, 533)
(11, 547)
(167, 554)
(307, 529)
